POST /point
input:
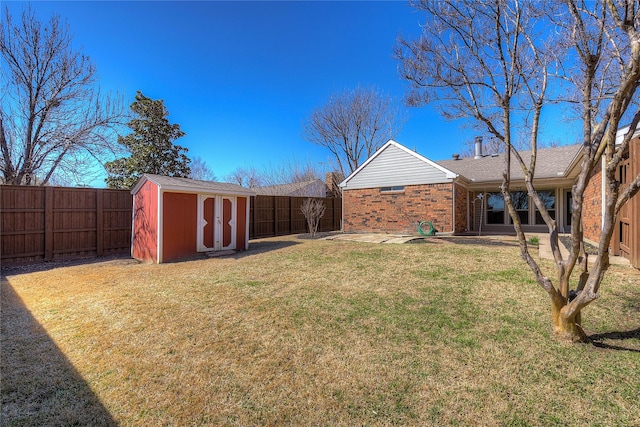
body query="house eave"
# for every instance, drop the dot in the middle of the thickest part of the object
(520, 183)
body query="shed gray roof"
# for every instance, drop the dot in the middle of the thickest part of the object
(193, 185)
(553, 162)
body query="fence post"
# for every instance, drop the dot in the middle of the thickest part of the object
(275, 216)
(99, 222)
(290, 215)
(48, 223)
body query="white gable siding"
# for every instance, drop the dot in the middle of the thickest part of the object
(394, 166)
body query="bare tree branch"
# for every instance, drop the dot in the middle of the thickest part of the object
(352, 125)
(49, 93)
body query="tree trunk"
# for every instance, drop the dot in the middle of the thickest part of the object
(567, 328)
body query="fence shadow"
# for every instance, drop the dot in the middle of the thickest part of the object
(261, 246)
(13, 270)
(39, 385)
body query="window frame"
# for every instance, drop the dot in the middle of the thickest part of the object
(392, 189)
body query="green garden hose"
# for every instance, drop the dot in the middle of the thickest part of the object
(432, 230)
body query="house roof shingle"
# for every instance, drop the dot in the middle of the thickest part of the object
(550, 163)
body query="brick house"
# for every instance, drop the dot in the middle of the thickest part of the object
(397, 188)
(626, 237)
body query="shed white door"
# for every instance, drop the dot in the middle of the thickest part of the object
(216, 223)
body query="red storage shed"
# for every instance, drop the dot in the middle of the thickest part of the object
(176, 218)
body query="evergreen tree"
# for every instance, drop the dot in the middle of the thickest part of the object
(150, 144)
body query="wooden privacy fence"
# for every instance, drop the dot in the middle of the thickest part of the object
(55, 223)
(52, 223)
(272, 216)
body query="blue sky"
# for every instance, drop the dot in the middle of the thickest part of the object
(242, 77)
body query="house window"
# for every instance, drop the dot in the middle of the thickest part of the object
(495, 208)
(520, 200)
(548, 198)
(394, 189)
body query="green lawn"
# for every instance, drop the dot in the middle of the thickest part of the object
(313, 332)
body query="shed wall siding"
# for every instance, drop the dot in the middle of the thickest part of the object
(370, 210)
(241, 223)
(394, 166)
(179, 227)
(144, 244)
(461, 211)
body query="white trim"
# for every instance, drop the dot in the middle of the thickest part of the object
(191, 190)
(218, 226)
(232, 222)
(469, 220)
(246, 224)
(133, 224)
(623, 131)
(201, 223)
(342, 211)
(159, 225)
(449, 174)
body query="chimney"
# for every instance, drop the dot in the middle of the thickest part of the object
(332, 180)
(478, 148)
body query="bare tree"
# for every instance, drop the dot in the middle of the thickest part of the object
(288, 171)
(313, 210)
(501, 63)
(51, 113)
(248, 177)
(200, 170)
(291, 171)
(353, 125)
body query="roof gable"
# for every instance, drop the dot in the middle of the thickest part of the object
(394, 164)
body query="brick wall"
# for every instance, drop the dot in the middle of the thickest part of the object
(592, 208)
(461, 208)
(370, 210)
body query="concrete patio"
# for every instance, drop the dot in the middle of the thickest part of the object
(544, 246)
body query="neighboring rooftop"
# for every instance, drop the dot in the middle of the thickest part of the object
(553, 162)
(314, 188)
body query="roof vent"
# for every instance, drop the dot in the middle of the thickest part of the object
(478, 148)
(455, 156)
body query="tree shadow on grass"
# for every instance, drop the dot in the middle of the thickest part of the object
(39, 385)
(603, 340)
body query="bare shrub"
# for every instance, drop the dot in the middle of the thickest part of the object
(313, 209)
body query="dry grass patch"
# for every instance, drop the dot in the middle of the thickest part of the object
(317, 333)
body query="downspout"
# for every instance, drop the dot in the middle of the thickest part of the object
(468, 210)
(342, 210)
(159, 225)
(246, 224)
